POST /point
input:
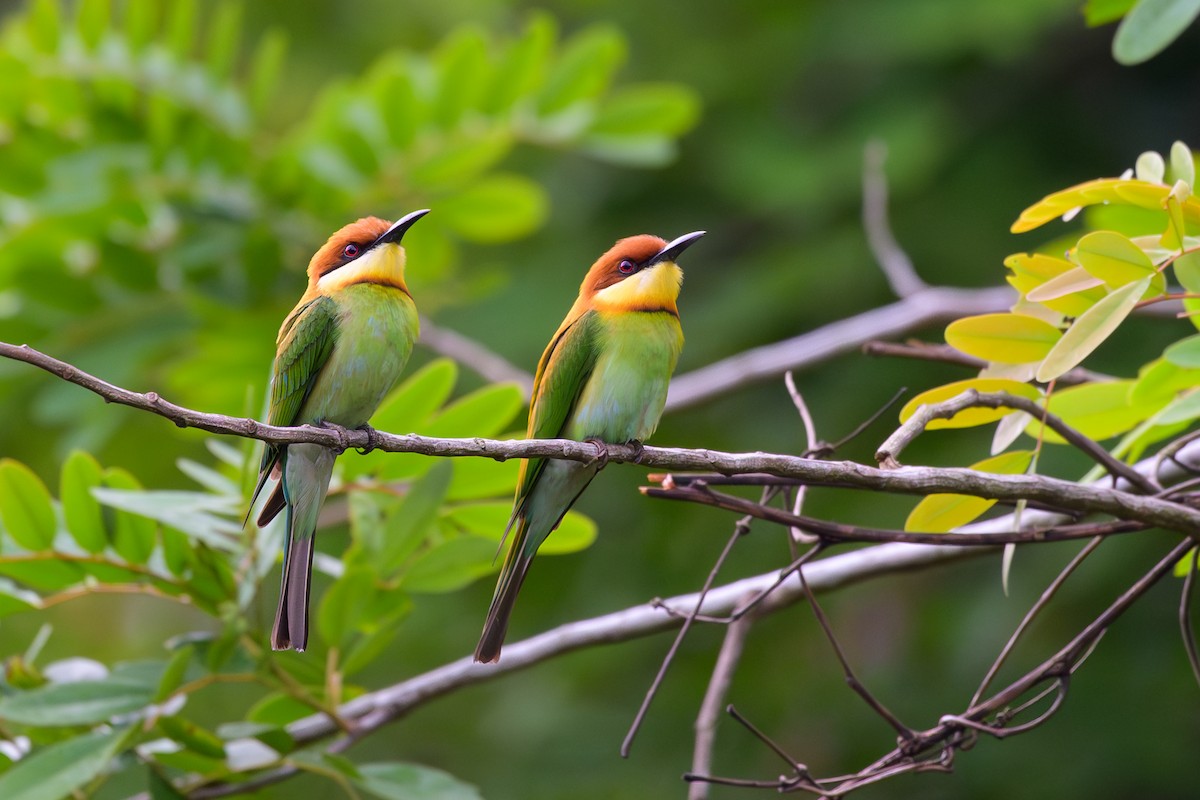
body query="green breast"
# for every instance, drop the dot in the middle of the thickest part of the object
(377, 326)
(624, 396)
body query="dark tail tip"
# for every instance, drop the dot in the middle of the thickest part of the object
(496, 626)
(290, 631)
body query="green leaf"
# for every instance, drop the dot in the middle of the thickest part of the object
(1097, 410)
(458, 161)
(1150, 26)
(1091, 329)
(92, 20)
(45, 22)
(14, 599)
(1184, 353)
(265, 67)
(1068, 283)
(1113, 258)
(25, 506)
(405, 410)
(1006, 338)
(476, 478)
(450, 565)
(970, 417)
(461, 62)
(522, 68)
(575, 532)
(345, 604)
(161, 788)
(1102, 12)
(394, 780)
(78, 703)
(584, 69)
(192, 736)
(141, 23)
(181, 26)
(1184, 408)
(81, 473)
(1183, 165)
(1150, 167)
(1159, 381)
(942, 513)
(224, 32)
(175, 672)
(660, 109)
(380, 633)
(415, 517)
(54, 772)
(278, 709)
(1034, 271)
(133, 535)
(483, 412)
(193, 513)
(497, 208)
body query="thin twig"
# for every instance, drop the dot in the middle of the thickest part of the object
(714, 701)
(1041, 603)
(889, 452)
(1185, 614)
(944, 353)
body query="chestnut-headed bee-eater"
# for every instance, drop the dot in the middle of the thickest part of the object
(602, 378)
(338, 354)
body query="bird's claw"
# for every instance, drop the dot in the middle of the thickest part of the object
(639, 450)
(372, 440)
(601, 458)
(342, 432)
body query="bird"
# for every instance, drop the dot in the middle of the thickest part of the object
(603, 378)
(338, 354)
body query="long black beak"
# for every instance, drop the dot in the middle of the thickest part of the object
(394, 234)
(674, 248)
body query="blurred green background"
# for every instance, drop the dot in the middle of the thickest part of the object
(984, 108)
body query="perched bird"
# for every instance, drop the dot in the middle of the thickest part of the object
(603, 378)
(338, 354)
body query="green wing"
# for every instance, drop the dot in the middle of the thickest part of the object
(562, 372)
(304, 348)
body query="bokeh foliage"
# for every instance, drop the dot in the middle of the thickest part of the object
(983, 107)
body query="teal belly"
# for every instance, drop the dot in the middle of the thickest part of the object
(377, 326)
(624, 396)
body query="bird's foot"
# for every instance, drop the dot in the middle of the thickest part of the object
(639, 450)
(343, 434)
(372, 440)
(601, 458)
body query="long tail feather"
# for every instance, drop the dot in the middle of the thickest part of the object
(305, 479)
(291, 617)
(496, 626)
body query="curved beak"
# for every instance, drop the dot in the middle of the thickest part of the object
(674, 248)
(394, 234)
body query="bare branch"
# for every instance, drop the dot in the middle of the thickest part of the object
(714, 701)
(944, 353)
(1081, 498)
(896, 265)
(926, 307)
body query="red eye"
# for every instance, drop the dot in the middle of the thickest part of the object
(350, 251)
(626, 267)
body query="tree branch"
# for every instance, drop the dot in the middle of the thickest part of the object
(1081, 498)
(920, 309)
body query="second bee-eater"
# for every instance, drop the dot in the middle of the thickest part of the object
(602, 378)
(338, 354)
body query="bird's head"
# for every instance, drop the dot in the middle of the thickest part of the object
(637, 274)
(365, 251)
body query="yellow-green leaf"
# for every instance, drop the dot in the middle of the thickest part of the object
(941, 513)
(1113, 258)
(1097, 410)
(1091, 329)
(1110, 190)
(1184, 353)
(1007, 338)
(84, 517)
(972, 416)
(1034, 270)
